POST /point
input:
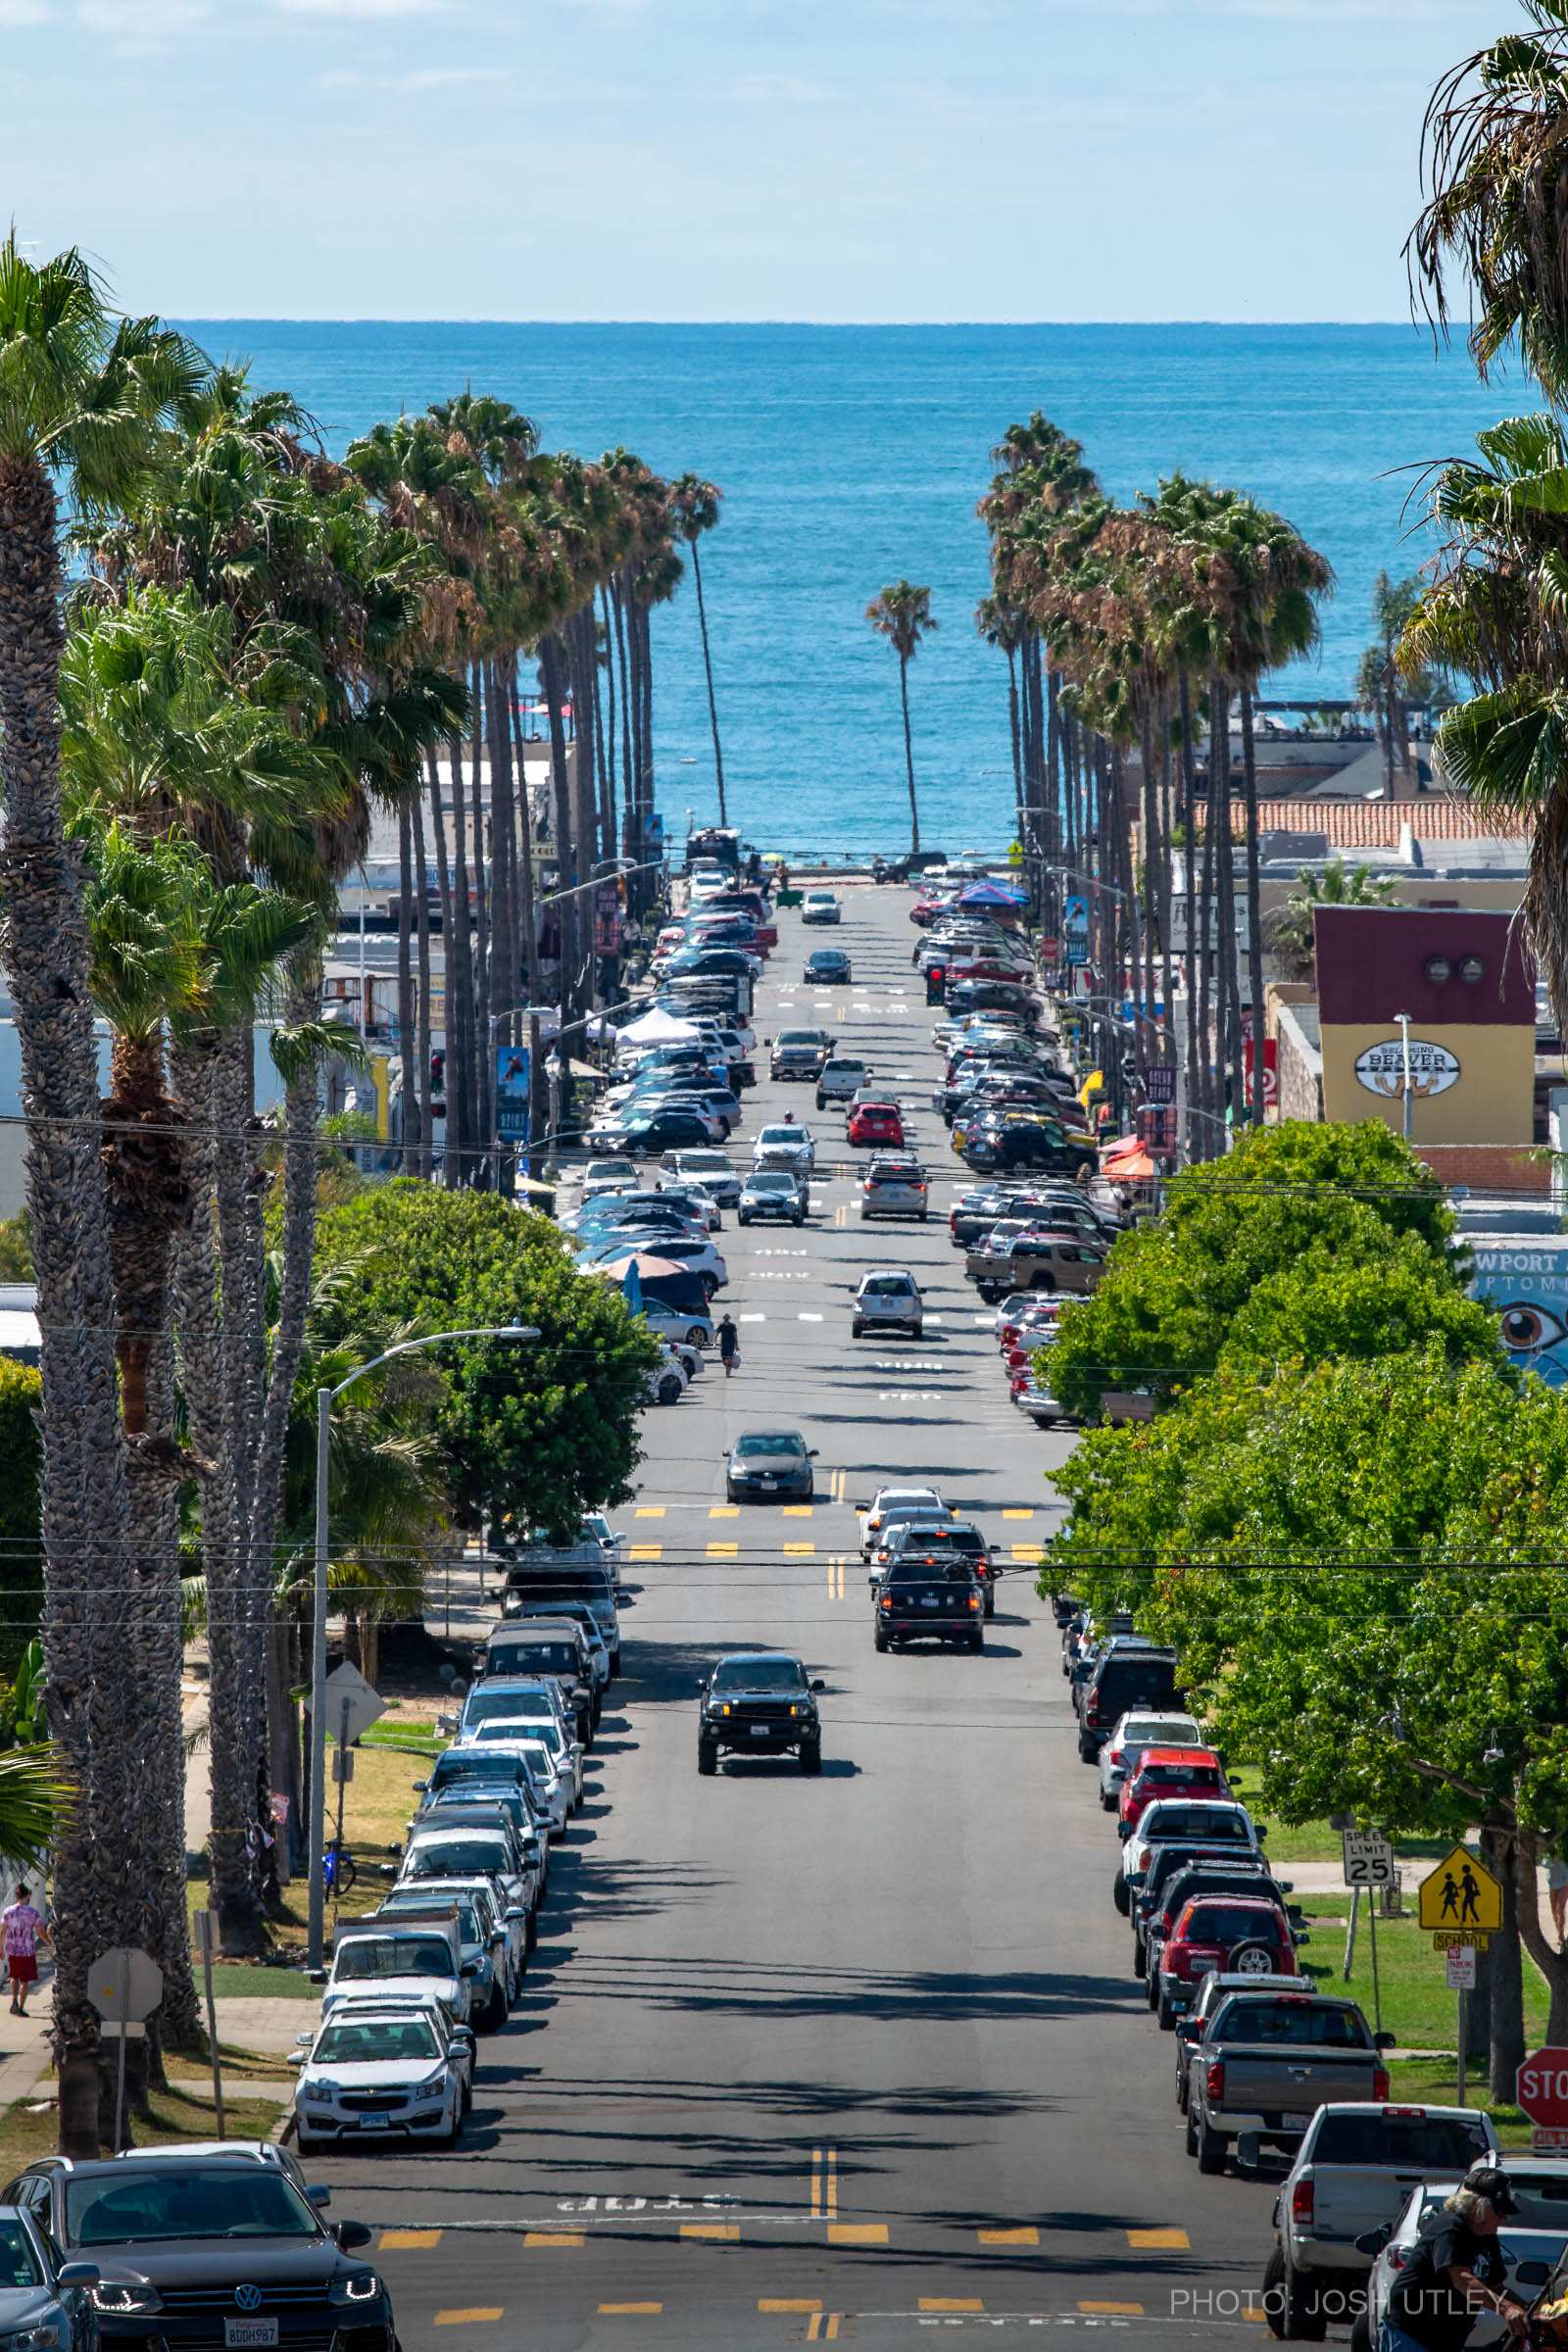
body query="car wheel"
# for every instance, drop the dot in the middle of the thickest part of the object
(879, 1638)
(977, 1638)
(496, 2009)
(799, 1219)
(1043, 1282)
(1119, 1894)
(856, 1329)
(1086, 1751)
(1361, 2333)
(670, 1390)
(917, 1331)
(1168, 2025)
(991, 1600)
(1140, 1957)
(1213, 2149)
(693, 1336)
(811, 1755)
(1151, 1989)
(1189, 2142)
(707, 1756)
(1301, 2320)
(1181, 2093)
(305, 2145)
(1107, 1804)
(743, 1217)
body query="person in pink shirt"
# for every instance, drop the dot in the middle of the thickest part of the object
(21, 1927)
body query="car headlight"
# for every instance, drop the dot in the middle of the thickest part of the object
(360, 2286)
(116, 2295)
(43, 2335)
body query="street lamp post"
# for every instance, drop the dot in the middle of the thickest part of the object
(1403, 1019)
(325, 1400)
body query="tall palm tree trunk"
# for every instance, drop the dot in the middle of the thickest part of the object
(1255, 907)
(422, 933)
(908, 752)
(630, 757)
(483, 861)
(530, 946)
(551, 670)
(707, 672)
(406, 1041)
(1188, 877)
(451, 1155)
(644, 649)
(607, 767)
(1151, 854)
(1228, 975)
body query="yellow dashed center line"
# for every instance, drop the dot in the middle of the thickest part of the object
(645, 1552)
(1027, 2235)
(553, 2237)
(723, 1551)
(1114, 2311)
(406, 2241)
(794, 2306)
(483, 2314)
(726, 2232)
(724, 1510)
(1161, 2241)
(630, 2311)
(656, 1510)
(1032, 1552)
(1029, 1514)
(857, 2234)
(798, 1510)
(951, 2303)
(800, 1551)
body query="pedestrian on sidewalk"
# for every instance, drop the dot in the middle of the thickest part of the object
(23, 1927)
(729, 1346)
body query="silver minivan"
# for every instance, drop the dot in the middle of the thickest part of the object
(888, 1299)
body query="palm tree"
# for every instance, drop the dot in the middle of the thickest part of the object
(1291, 928)
(83, 402)
(696, 506)
(1494, 163)
(902, 614)
(1377, 677)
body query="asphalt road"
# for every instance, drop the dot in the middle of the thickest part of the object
(845, 2058)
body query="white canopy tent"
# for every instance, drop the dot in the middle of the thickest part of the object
(658, 1028)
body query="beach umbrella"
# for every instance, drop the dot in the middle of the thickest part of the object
(660, 1028)
(646, 1264)
(1129, 1167)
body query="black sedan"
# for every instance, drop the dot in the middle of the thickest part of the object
(221, 2250)
(826, 967)
(757, 1703)
(770, 1465)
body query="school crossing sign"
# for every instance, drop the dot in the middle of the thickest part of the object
(1461, 1902)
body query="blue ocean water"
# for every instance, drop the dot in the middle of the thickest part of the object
(849, 456)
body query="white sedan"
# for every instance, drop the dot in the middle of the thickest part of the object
(787, 1145)
(383, 2073)
(1120, 1756)
(897, 1502)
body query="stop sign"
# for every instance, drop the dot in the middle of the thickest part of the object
(1541, 2089)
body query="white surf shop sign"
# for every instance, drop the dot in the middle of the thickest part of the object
(1380, 1069)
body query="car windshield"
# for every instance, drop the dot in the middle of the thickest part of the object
(760, 1674)
(375, 2043)
(476, 1856)
(1416, 2143)
(533, 1657)
(782, 1135)
(1157, 1731)
(1224, 1923)
(493, 1706)
(780, 1440)
(1169, 1819)
(801, 1037)
(19, 2266)
(249, 2200)
(1295, 2020)
(393, 1956)
(511, 1731)
(703, 1163)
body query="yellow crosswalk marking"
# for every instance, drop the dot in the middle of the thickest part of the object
(630, 2311)
(856, 2233)
(822, 2327)
(1163, 2241)
(649, 1510)
(724, 1510)
(1029, 1514)
(723, 1551)
(1031, 1552)
(645, 1552)
(552, 2237)
(1114, 2311)
(800, 1551)
(405, 2241)
(483, 2314)
(951, 2303)
(1024, 2236)
(802, 2304)
(728, 2232)
(798, 1510)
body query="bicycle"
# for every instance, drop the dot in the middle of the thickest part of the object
(339, 1870)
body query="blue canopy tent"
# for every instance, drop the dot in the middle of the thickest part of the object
(992, 894)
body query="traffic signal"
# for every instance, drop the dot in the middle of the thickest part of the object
(935, 984)
(438, 1085)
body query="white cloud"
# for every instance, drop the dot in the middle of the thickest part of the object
(359, 8)
(422, 78)
(142, 21)
(16, 13)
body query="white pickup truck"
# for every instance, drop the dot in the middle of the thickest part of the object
(1352, 2174)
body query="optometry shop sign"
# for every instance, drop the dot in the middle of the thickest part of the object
(1380, 1069)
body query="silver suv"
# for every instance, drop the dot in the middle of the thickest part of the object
(888, 1301)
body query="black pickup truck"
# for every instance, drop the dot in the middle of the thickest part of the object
(929, 1597)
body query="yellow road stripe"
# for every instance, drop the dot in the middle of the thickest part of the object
(802, 2304)
(798, 1510)
(552, 2237)
(800, 1551)
(1026, 2236)
(723, 1551)
(630, 2311)
(832, 2185)
(468, 2318)
(1164, 2241)
(857, 2234)
(724, 1510)
(841, 1217)
(822, 2328)
(728, 2231)
(645, 1552)
(1029, 1514)
(656, 1510)
(404, 2241)
(1114, 2311)
(949, 2303)
(1032, 1552)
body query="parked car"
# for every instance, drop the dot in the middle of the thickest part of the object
(888, 1301)
(1155, 1916)
(1351, 2178)
(758, 1703)
(1043, 1261)
(44, 2301)
(1531, 2242)
(1213, 1821)
(607, 1176)
(1266, 2060)
(1241, 1935)
(1141, 1677)
(382, 2073)
(1169, 1771)
(710, 1170)
(766, 1465)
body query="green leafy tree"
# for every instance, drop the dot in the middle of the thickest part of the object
(20, 1505)
(16, 1249)
(532, 1433)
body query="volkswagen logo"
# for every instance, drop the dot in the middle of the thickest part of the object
(249, 2298)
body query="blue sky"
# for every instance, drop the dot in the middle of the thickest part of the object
(730, 159)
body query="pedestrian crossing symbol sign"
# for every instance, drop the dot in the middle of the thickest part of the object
(1460, 1897)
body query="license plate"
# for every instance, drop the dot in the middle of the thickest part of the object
(242, 2332)
(768, 1482)
(367, 2123)
(759, 1730)
(927, 1601)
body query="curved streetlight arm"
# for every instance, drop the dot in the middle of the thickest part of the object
(324, 1397)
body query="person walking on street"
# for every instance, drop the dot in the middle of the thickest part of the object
(729, 1346)
(22, 1928)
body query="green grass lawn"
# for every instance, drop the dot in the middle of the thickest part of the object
(1315, 1841)
(31, 2128)
(1418, 2008)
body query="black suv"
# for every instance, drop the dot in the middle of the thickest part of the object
(1126, 1675)
(190, 2252)
(758, 1702)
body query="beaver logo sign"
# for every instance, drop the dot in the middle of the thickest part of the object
(1381, 1070)
(1461, 1902)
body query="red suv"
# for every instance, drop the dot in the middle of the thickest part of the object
(876, 1123)
(1169, 1772)
(1238, 1935)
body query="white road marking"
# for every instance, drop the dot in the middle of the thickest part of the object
(751, 1318)
(804, 1315)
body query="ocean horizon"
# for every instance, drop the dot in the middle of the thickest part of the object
(851, 454)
